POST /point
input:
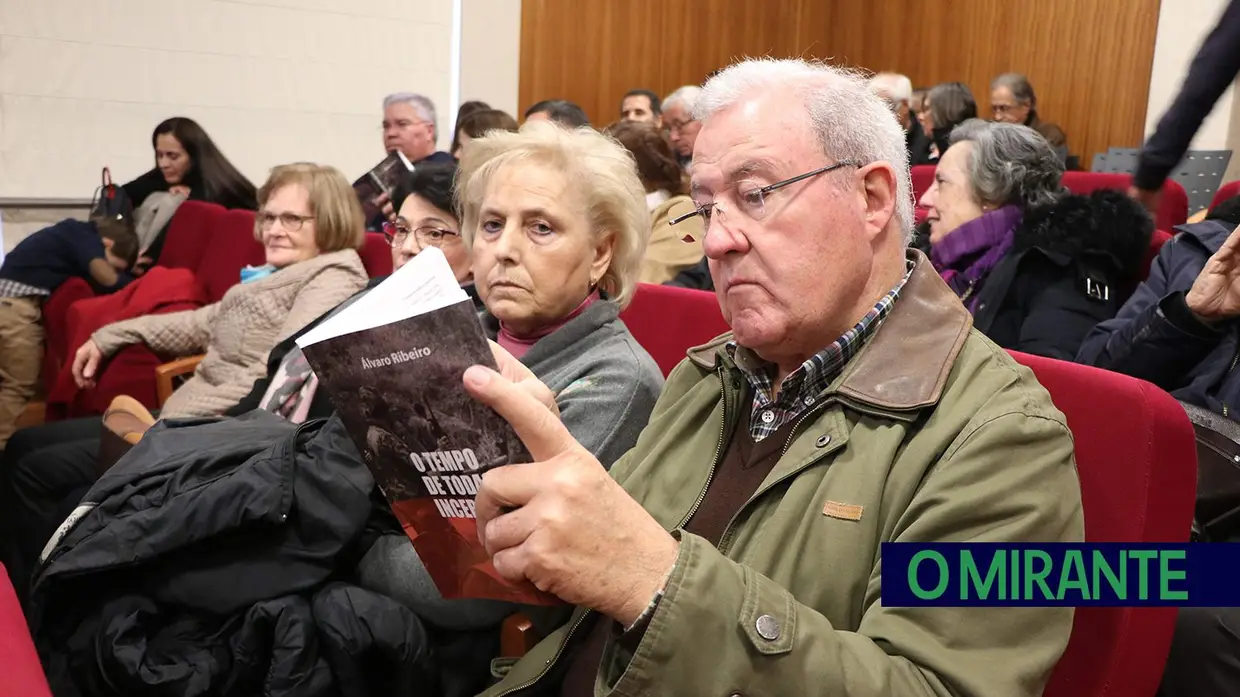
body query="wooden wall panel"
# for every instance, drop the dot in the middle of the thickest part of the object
(1090, 60)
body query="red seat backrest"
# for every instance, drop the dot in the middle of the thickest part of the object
(376, 255)
(1225, 192)
(923, 177)
(1172, 209)
(23, 673)
(668, 321)
(232, 247)
(1137, 461)
(189, 234)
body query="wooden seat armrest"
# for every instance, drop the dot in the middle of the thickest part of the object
(517, 636)
(168, 372)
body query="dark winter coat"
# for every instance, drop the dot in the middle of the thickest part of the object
(1068, 270)
(1156, 338)
(207, 562)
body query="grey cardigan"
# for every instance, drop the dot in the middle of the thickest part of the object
(606, 386)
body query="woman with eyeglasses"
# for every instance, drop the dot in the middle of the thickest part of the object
(425, 217)
(556, 223)
(1037, 266)
(311, 224)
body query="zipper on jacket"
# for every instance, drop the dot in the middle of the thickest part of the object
(714, 463)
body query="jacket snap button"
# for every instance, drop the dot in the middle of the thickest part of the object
(768, 627)
(822, 441)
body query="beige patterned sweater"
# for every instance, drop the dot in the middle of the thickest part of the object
(239, 331)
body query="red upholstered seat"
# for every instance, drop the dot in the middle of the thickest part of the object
(1172, 209)
(23, 674)
(667, 321)
(376, 255)
(1225, 192)
(1137, 461)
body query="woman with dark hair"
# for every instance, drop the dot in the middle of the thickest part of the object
(187, 164)
(666, 254)
(477, 124)
(948, 104)
(466, 109)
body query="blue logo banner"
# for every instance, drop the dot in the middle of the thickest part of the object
(1060, 575)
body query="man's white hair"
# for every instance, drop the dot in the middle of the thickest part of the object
(894, 86)
(685, 97)
(422, 106)
(852, 122)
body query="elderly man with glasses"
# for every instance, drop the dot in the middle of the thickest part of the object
(735, 550)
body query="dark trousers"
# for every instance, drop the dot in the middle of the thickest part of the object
(42, 468)
(1205, 654)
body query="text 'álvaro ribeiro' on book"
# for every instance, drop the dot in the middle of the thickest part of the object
(395, 357)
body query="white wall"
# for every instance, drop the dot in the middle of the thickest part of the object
(1182, 26)
(491, 52)
(83, 82)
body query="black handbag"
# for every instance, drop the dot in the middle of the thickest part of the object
(111, 201)
(1217, 514)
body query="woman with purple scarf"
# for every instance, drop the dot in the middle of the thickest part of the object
(1037, 266)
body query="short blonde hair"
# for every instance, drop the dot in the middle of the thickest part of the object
(601, 167)
(338, 219)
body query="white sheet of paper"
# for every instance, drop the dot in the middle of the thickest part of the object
(423, 285)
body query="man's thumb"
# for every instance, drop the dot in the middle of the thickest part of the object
(543, 434)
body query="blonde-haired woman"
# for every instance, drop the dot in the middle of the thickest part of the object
(310, 224)
(557, 223)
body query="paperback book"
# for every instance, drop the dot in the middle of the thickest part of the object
(392, 364)
(381, 180)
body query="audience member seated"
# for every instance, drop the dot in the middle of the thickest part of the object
(1012, 100)
(897, 91)
(410, 127)
(1036, 266)
(642, 105)
(557, 222)
(561, 111)
(850, 377)
(667, 254)
(948, 105)
(462, 112)
(476, 124)
(311, 225)
(99, 251)
(678, 121)
(427, 219)
(1179, 331)
(187, 166)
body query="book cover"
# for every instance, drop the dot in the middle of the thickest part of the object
(392, 364)
(380, 180)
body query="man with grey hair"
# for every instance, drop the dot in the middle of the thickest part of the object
(897, 91)
(409, 126)
(678, 120)
(735, 549)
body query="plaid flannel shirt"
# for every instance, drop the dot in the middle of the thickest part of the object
(13, 289)
(801, 389)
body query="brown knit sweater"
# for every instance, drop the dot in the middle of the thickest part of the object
(239, 331)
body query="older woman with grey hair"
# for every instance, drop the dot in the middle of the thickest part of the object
(1012, 100)
(948, 104)
(557, 223)
(1038, 267)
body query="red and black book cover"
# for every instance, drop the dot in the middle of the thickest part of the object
(398, 390)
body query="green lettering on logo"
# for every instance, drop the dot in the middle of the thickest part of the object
(1037, 576)
(1143, 557)
(1072, 575)
(912, 574)
(970, 578)
(1119, 584)
(1166, 575)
